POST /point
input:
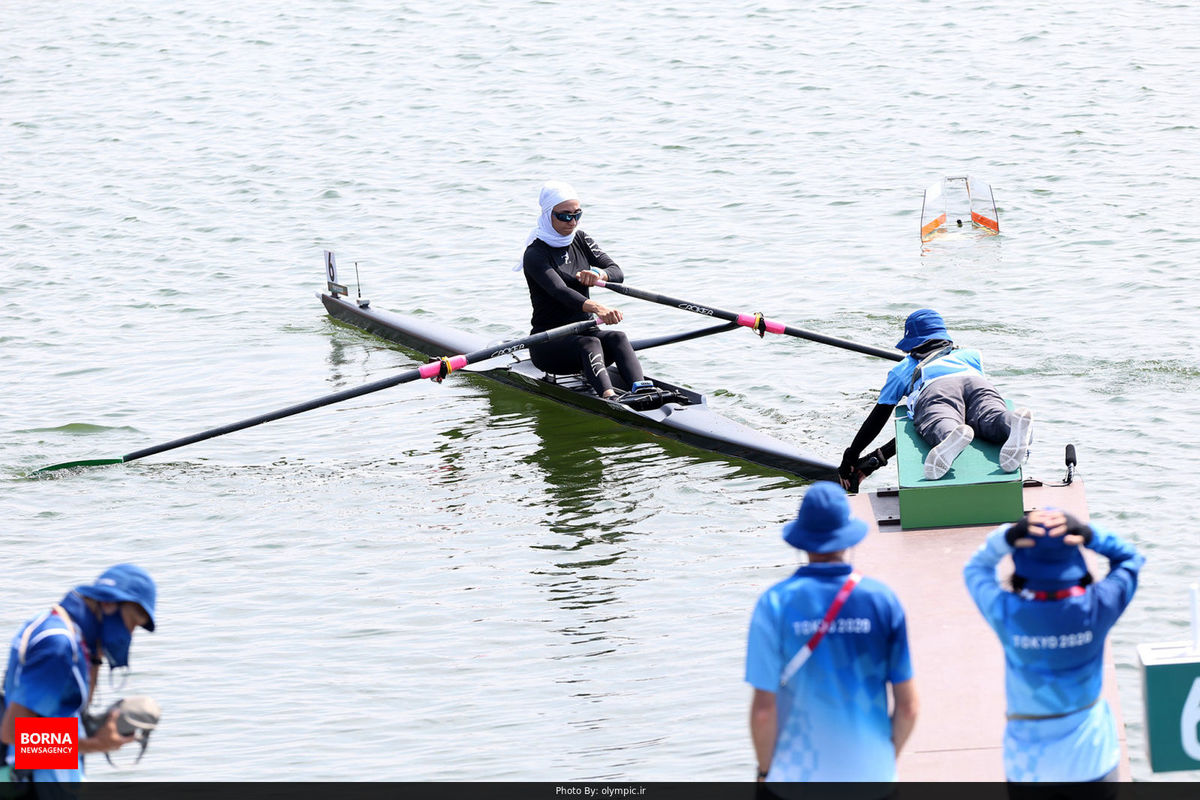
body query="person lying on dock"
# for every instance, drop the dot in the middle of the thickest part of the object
(950, 401)
(1052, 626)
(560, 263)
(823, 647)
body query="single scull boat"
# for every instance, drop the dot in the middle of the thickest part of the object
(673, 412)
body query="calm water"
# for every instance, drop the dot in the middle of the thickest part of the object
(433, 582)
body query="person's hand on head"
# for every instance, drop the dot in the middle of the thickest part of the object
(1017, 534)
(1047, 522)
(1078, 533)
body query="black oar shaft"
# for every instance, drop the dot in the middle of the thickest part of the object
(299, 408)
(750, 321)
(845, 344)
(405, 377)
(672, 338)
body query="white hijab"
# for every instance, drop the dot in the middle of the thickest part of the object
(553, 193)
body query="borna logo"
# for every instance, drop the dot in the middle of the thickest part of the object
(46, 743)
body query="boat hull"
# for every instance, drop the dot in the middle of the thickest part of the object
(689, 420)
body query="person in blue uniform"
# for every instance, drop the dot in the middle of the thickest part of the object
(55, 658)
(824, 646)
(1052, 625)
(950, 401)
(560, 263)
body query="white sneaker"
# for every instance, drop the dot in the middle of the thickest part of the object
(1020, 434)
(938, 462)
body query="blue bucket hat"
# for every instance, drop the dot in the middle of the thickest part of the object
(824, 524)
(1050, 564)
(921, 326)
(124, 583)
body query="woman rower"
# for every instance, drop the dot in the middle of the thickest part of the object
(560, 263)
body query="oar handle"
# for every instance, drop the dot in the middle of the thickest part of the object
(753, 321)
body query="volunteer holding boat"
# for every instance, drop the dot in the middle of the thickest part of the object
(950, 401)
(560, 263)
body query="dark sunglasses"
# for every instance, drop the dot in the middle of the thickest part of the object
(563, 216)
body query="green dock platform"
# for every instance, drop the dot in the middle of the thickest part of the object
(973, 492)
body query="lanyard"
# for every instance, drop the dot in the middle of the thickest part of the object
(57, 611)
(806, 651)
(1061, 594)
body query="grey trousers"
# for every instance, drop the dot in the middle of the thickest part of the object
(948, 402)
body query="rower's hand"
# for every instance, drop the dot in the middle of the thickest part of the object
(609, 316)
(587, 277)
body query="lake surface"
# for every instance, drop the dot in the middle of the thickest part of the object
(460, 582)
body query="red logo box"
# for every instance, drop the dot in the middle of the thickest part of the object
(46, 743)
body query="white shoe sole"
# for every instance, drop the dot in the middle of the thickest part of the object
(941, 457)
(1016, 447)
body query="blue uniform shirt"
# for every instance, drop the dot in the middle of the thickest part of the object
(833, 714)
(52, 681)
(956, 362)
(1054, 660)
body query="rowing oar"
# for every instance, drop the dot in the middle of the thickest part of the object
(756, 322)
(435, 369)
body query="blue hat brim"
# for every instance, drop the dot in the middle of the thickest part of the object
(910, 342)
(848, 535)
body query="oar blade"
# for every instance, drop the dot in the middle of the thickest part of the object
(93, 462)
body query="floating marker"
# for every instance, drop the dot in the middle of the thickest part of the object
(933, 204)
(980, 202)
(983, 204)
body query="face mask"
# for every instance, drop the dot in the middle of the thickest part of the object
(115, 639)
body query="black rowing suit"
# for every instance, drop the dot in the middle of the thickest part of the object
(558, 300)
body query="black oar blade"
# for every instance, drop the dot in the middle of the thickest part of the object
(93, 462)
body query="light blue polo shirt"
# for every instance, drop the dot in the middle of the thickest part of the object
(956, 362)
(1054, 663)
(833, 714)
(53, 681)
